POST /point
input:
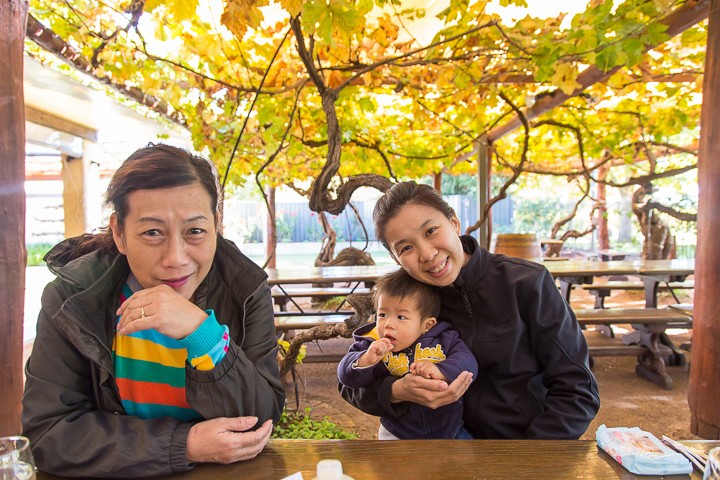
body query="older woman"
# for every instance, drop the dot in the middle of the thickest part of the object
(155, 344)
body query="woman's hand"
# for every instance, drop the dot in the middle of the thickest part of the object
(226, 440)
(428, 392)
(161, 308)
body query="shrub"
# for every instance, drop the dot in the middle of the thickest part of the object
(283, 346)
(299, 425)
(36, 252)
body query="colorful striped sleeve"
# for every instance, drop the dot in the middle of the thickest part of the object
(208, 344)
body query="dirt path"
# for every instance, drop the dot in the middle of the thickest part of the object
(626, 399)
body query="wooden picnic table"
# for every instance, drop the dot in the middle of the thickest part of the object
(568, 273)
(286, 279)
(407, 459)
(652, 272)
(606, 255)
(298, 275)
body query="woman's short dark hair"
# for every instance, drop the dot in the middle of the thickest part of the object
(149, 168)
(402, 194)
(160, 166)
(400, 284)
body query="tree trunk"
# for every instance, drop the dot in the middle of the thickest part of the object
(271, 247)
(602, 228)
(625, 231)
(657, 237)
(704, 386)
(327, 250)
(13, 17)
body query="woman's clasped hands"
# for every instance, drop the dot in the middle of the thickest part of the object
(227, 440)
(161, 308)
(430, 392)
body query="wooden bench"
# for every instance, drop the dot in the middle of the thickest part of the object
(649, 341)
(666, 317)
(604, 289)
(282, 296)
(300, 322)
(685, 308)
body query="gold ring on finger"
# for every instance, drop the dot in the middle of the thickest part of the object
(142, 312)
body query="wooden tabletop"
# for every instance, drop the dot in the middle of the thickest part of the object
(358, 273)
(570, 268)
(436, 459)
(680, 266)
(622, 267)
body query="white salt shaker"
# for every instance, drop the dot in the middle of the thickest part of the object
(330, 469)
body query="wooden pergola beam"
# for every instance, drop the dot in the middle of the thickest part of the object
(50, 120)
(678, 21)
(50, 41)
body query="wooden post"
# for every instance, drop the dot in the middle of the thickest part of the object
(437, 182)
(73, 176)
(13, 17)
(483, 190)
(271, 246)
(704, 386)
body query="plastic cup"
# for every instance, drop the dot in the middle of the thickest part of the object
(16, 460)
(712, 468)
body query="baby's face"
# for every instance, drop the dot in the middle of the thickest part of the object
(399, 321)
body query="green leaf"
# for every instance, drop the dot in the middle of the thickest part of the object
(366, 104)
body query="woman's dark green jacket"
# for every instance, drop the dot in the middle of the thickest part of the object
(72, 412)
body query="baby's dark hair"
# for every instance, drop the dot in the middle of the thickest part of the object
(400, 284)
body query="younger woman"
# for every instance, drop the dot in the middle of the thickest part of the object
(534, 379)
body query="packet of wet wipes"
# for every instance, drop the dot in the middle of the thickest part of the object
(641, 452)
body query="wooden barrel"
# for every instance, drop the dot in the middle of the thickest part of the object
(522, 245)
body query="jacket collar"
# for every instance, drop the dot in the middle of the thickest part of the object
(474, 270)
(88, 317)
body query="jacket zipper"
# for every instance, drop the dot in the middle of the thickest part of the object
(111, 374)
(466, 301)
(475, 399)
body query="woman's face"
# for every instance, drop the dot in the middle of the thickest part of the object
(168, 237)
(426, 244)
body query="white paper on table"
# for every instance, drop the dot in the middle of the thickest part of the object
(294, 476)
(641, 452)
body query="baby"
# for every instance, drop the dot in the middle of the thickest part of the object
(406, 338)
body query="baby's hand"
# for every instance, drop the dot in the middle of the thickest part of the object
(375, 352)
(427, 369)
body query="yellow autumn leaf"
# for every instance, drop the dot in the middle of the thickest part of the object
(182, 9)
(565, 78)
(293, 7)
(663, 5)
(239, 15)
(150, 5)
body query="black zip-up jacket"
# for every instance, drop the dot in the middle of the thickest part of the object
(534, 380)
(72, 411)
